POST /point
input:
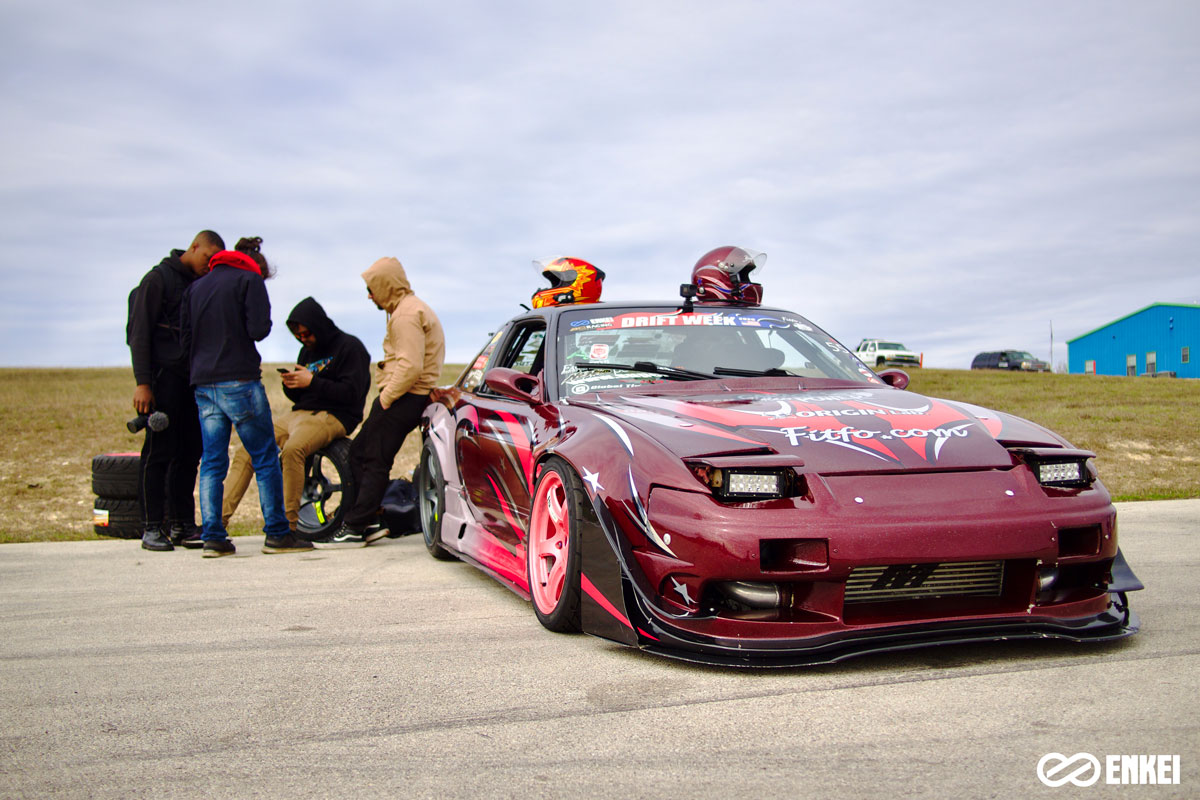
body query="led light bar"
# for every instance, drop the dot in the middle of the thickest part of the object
(1063, 472)
(754, 483)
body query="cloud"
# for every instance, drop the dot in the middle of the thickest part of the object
(953, 176)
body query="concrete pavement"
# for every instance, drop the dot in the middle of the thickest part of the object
(380, 672)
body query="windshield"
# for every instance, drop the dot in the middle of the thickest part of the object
(891, 346)
(628, 347)
(1021, 355)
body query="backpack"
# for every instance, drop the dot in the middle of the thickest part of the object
(173, 285)
(400, 512)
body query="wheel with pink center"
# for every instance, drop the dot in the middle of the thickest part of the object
(552, 547)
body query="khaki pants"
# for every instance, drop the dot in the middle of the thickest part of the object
(299, 434)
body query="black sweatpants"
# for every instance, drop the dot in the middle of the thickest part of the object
(374, 449)
(171, 457)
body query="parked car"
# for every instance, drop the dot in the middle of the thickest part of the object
(1009, 359)
(722, 482)
(880, 353)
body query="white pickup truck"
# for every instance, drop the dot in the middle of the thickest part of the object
(881, 353)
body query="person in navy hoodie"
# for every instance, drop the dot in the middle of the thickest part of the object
(225, 313)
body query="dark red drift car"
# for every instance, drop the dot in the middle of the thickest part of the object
(726, 483)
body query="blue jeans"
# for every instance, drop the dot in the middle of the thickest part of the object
(242, 405)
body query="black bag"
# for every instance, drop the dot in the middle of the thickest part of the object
(400, 512)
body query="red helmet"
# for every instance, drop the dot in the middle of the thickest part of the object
(572, 280)
(723, 275)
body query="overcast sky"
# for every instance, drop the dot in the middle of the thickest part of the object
(957, 176)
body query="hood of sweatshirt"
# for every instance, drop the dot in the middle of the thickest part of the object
(232, 258)
(308, 312)
(388, 282)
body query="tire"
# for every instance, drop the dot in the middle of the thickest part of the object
(431, 501)
(328, 491)
(552, 547)
(116, 475)
(119, 519)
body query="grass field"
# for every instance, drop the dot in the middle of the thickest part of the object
(59, 418)
(1145, 432)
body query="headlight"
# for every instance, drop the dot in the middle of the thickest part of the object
(1058, 468)
(740, 485)
(1061, 473)
(753, 483)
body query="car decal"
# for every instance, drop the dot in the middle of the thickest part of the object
(681, 419)
(643, 519)
(591, 591)
(621, 434)
(520, 441)
(505, 507)
(853, 420)
(592, 479)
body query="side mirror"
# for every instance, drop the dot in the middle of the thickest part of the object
(895, 378)
(514, 385)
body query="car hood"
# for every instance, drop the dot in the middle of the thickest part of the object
(857, 429)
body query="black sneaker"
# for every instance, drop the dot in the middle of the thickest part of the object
(155, 539)
(187, 535)
(373, 534)
(218, 548)
(288, 543)
(344, 536)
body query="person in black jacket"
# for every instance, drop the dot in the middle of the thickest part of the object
(224, 314)
(328, 390)
(171, 456)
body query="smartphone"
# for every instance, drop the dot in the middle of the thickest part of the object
(282, 370)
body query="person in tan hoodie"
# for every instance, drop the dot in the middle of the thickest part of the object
(414, 348)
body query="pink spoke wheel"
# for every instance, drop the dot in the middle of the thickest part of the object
(552, 548)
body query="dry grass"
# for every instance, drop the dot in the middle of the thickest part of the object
(57, 419)
(1145, 432)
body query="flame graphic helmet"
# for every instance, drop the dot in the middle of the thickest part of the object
(723, 275)
(572, 280)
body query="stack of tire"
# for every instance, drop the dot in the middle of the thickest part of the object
(327, 495)
(115, 511)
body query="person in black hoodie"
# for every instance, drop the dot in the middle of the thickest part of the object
(170, 456)
(328, 390)
(224, 314)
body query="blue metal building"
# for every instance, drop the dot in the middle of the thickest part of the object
(1158, 339)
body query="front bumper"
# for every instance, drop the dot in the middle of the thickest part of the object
(1117, 622)
(626, 593)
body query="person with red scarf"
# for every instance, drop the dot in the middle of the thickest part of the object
(225, 313)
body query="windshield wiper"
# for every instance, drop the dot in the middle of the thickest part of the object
(752, 373)
(649, 366)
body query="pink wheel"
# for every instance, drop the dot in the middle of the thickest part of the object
(552, 551)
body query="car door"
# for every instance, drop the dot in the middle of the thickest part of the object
(494, 440)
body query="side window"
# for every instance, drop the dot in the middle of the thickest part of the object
(521, 349)
(524, 351)
(472, 377)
